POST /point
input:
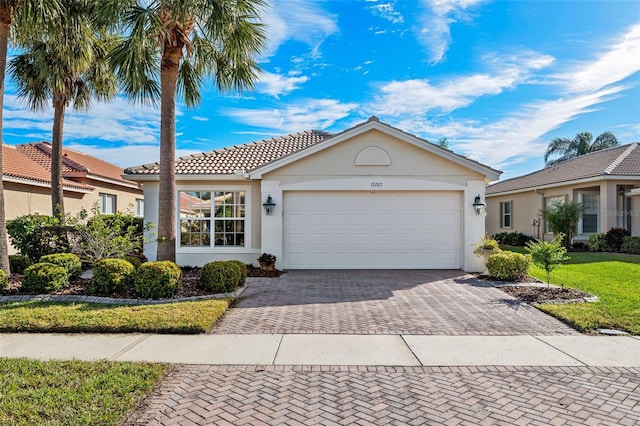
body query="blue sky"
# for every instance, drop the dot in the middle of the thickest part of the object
(498, 79)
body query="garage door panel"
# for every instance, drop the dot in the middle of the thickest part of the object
(372, 230)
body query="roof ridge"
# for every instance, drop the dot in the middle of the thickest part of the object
(47, 148)
(615, 163)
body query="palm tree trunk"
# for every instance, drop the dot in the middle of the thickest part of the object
(5, 24)
(57, 192)
(167, 196)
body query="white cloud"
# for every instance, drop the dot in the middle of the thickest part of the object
(387, 11)
(306, 114)
(438, 15)
(276, 84)
(199, 118)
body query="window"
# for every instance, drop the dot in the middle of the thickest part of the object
(139, 207)
(550, 202)
(107, 203)
(590, 221)
(203, 213)
(505, 214)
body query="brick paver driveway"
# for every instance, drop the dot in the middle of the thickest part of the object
(444, 302)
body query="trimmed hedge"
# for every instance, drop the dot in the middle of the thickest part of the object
(508, 265)
(4, 281)
(70, 262)
(515, 238)
(44, 277)
(243, 271)
(220, 276)
(597, 242)
(112, 276)
(158, 279)
(18, 263)
(631, 245)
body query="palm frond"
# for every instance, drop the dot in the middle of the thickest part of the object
(603, 141)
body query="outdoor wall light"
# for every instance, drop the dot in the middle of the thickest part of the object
(269, 205)
(478, 205)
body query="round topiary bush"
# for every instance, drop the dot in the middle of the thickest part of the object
(243, 271)
(70, 262)
(219, 277)
(44, 277)
(507, 265)
(18, 263)
(4, 281)
(112, 276)
(158, 279)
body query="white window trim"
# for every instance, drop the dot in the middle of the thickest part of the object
(102, 197)
(503, 214)
(248, 218)
(545, 205)
(580, 222)
(135, 207)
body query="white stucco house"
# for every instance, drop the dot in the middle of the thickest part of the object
(371, 196)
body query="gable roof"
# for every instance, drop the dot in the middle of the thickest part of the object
(75, 163)
(618, 161)
(18, 167)
(257, 158)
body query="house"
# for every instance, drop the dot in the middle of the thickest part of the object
(606, 183)
(372, 196)
(26, 174)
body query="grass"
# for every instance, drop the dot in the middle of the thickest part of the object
(614, 278)
(73, 392)
(72, 317)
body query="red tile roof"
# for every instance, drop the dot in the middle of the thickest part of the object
(245, 157)
(619, 161)
(17, 165)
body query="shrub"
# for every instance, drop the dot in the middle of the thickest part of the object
(136, 259)
(37, 235)
(486, 244)
(615, 237)
(548, 254)
(597, 242)
(631, 245)
(563, 220)
(243, 271)
(112, 276)
(514, 238)
(70, 262)
(4, 281)
(219, 277)
(507, 265)
(158, 279)
(44, 277)
(18, 263)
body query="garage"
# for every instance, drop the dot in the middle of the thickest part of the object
(383, 229)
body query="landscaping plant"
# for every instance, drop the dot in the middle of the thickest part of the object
(44, 277)
(19, 262)
(508, 265)
(220, 277)
(112, 276)
(70, 262)
(36, 235)
(548, 255)
(597, 242)
(158, 279)
(563, 220)
(631, 245)
(615, 237)
(3, 280)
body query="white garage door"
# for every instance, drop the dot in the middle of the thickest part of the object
(384, 230)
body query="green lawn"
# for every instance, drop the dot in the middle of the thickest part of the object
(614, 278)
(179, 318)
(73, 392)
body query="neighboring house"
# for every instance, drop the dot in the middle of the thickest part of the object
(371, 196)
(606, 183)
(86, 180)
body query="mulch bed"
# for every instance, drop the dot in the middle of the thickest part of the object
(81, 287)
(531, 294)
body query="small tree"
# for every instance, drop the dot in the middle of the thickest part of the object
(563, 218)
(548, 255)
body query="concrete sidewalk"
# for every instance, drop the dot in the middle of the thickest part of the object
(331, 349)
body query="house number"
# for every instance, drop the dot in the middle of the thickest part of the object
(376, 184)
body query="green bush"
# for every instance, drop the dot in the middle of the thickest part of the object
(243, 271)
(158, 279)
(220, 277)
(112, 276)
(615, 238)
(44, 277)
(36, 235)
(515, 238)
(508, 265)
(136, 259)
(548, 255)
(18, 263)
(631, 245)
(4, 281)
(70, 262)
(597, 242)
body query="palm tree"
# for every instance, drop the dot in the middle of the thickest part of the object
(581, 144)
(66, 66)
(182, 42)
(34, 13)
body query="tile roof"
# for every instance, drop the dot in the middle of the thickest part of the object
(15, 164)
(73, 162)
(246, 157)
(618, 161)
